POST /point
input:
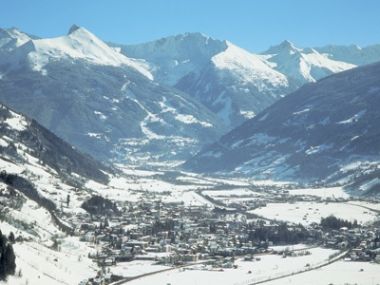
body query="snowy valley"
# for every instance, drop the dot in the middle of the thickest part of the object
(187, 160)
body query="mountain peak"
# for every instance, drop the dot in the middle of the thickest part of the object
(81, 33)
(14, 29)
(13, 38)
(73, 28)
(284, 46)
(195, 36)
(197, 39)
(79, 44)
(287, 44)
(176, 56)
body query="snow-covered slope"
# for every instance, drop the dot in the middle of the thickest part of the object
(230, 81)
(25, 145)
(79, 44)
(247, 68)
(12, 38)
(173, 57)
(38, 172)
(85, 90)
(302, 65)
(235, 85)
(325, 130)
(102, 102)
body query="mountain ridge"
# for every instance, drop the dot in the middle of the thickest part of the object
(93, 96)
(109, 111)
(313, 134)
(172, 64)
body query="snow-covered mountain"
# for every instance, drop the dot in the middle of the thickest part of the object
(150, 102)
(13, 38)
(174, 57)
(43, 182)
(326, 130)
(233, 83)
(103, 102)
(302, 65)
(28, 148)
(228, 80)
(78, 45)
(352, 54)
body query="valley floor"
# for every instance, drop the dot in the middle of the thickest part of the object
(49, 256)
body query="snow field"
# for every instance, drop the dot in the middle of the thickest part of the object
(42, 266)
(312, 212)
(135, 268)
(338, 273)
(267, 267)
(324, 193)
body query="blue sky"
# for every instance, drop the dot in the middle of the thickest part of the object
(252, 24)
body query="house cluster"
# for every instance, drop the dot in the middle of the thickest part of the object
(363, 243)
(174, 234)
(169, 233)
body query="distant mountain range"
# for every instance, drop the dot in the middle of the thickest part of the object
(155, 102)
(325, 131)
(352, 53)
(101, 101)
(230, 81)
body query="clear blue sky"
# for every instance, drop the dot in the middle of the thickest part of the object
(252, 24)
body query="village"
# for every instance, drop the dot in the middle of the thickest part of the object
(175, 235)
(236, 233)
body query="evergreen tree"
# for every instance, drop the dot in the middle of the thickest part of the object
(11, 237)
(7, 258)
(10, 259)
